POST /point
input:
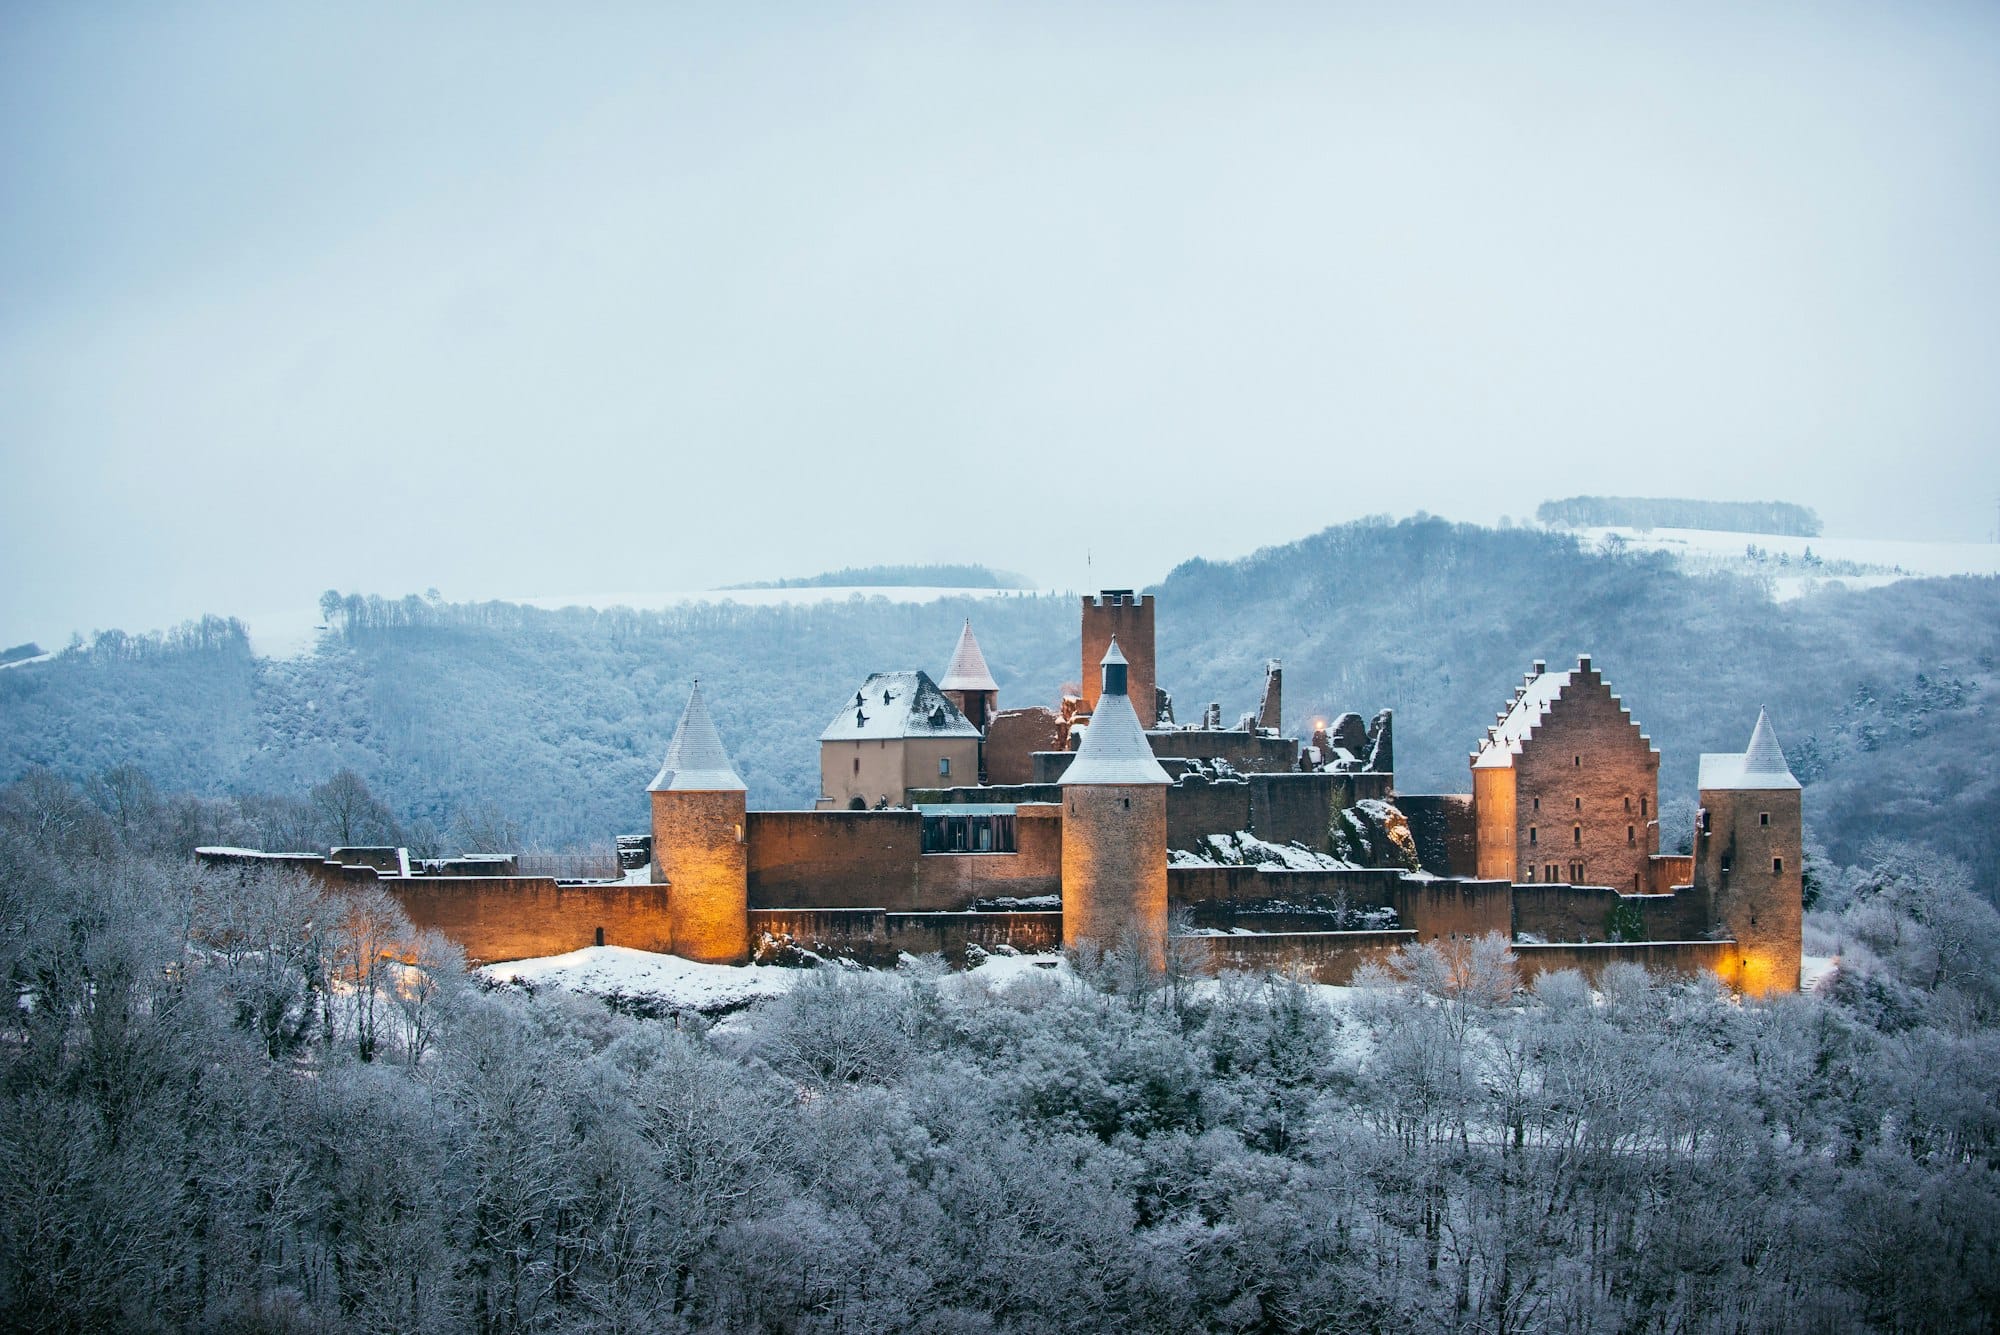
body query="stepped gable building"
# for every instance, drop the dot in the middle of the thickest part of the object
(1566, 786)
(699, 819)
(899, 731)
(1279, 855)
(1748, 846)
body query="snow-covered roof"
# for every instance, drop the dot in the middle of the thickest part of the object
(1114, 749)
(897, 704)
(696, 761)
(1762, 764)
(968, 670)
(1520, 720)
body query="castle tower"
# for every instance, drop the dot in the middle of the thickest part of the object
(1748, 856)
(1114, 838)
(967, 683)
(1120, 615)
(699, 813)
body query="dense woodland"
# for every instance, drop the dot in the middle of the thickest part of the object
(225, 1104)
(548, 724)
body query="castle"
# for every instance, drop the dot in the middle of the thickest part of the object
(949, 824)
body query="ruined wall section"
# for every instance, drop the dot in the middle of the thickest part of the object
(1012, 738)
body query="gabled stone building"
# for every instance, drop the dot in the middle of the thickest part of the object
(1566, 787)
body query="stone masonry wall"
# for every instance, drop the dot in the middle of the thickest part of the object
(1587, 791)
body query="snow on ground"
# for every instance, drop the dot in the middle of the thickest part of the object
(620, 971)
(1816, 970)
(1885, 560)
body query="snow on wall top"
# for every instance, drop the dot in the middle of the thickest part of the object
(1762, 764)
(890, 705)
(968, 670)
(1499, 750)
(696, 761)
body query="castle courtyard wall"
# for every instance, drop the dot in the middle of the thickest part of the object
(496, 918)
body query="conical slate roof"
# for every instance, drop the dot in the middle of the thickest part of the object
(1114, 749)
(1762, 764)
(968, 666)
(1764, 756)
(696, 761)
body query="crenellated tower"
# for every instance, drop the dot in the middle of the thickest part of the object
(1122, 616)
(1114, 838)
(699, 811)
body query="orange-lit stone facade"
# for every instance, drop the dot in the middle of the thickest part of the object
(1748, 849)
(1114, 866)
(1580, 804)
(699, 850)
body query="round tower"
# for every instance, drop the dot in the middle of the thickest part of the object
(1114, 837)
(1749, 861)
(699, 812)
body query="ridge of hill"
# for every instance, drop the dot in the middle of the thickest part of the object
(1883, 698)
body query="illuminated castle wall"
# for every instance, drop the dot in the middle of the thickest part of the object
(1564, 783)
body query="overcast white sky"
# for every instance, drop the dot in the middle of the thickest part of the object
(528, 300)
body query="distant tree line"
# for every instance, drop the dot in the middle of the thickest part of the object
(924, 576)
(1780, 517)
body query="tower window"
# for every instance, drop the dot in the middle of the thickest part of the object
(1628, 806)
(1725, 864)
(1631, 836)
(944, 765)
(1576, 873)
(1538, 804)
(1579, 836)
(1531, 836)
(1531, 871)
(1642, 806)
(1553, 875)
(857, 764)
(1578, 760)
(1579, 804)
(1777, 866)
(1763, 818)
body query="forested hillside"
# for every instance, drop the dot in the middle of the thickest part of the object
(1884, 699)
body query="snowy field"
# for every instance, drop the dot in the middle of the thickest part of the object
(1887, 560)
(668, 982)
(293, 633)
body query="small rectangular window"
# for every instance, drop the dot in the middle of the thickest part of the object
(1777, 866)
(1579, 803)
(1578, 841)
(944, 764)
(1579, 761)
(1763, 818)
(1531, 836)
(1531, 871)
(1628, 806)
(1538, 804)
(1725, 864)
(1642, 806)
(1631, 836)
